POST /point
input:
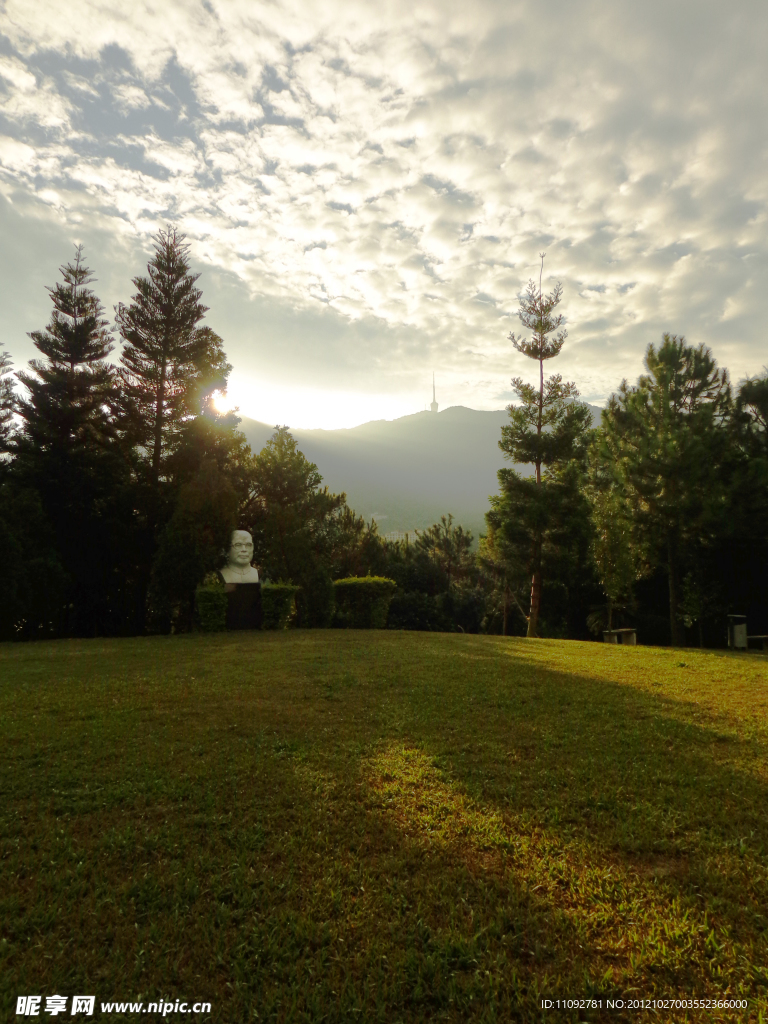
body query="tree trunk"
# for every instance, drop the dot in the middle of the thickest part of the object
(506, 607)
(158, 439)
(539, 422)
(533, 617)
(675, 626)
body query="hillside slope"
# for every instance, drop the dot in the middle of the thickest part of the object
(409, 471)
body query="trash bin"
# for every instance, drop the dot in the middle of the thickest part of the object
(737, 632)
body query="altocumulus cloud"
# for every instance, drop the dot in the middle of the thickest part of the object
(366, 187)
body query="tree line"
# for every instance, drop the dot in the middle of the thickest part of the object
(656, 519)
(120, 484)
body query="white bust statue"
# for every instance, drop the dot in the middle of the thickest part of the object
(238, 568)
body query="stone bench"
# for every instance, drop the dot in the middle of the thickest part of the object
(620, 636)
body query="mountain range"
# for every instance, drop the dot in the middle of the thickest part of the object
(406, 473)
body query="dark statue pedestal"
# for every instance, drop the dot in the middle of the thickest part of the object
(244, 605)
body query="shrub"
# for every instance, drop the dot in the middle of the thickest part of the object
(277, 603)
(362, 602)
(464, 608)
(412, 609)
(316, 601)
(211, 605)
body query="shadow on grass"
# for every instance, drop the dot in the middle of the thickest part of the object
(638, 834)
(337, 828)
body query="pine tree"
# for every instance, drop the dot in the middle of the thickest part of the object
(167, 361)
(71, 392)
(7, 401)
(752, 415)
(505, 578)
(665, 442)
(616, 549)
(744, 555)
(67, 448)
(354, 546)
(547, 429)
(298, 526)
(449, 547)
(291, 516)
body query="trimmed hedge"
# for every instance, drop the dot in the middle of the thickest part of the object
(211, 606)
(315, 602)
(362, 602)
(277, 604)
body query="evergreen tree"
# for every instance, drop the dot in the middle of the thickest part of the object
(212, 437)
(617, 552)
(191, 545)
(421, 585)
(67, 449)
(68, 411)
(355, 547)
(33, 584)
(752, 416)
(438, 580)
(210, 374)
(170, 368)
(665, 442)
(7, 402)
(743, 557)
(294, 521)
(546, 430)
(450, 548)
(169, 364)
(505, 582)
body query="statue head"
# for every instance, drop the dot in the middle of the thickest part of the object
(238, 568)
(240, 551)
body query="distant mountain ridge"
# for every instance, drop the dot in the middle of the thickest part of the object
(409, 471)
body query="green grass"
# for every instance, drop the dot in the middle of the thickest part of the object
(355, 826)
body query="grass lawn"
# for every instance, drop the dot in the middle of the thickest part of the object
(354, 826)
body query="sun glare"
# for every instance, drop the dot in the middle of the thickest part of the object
(305, 408)
(222, 402)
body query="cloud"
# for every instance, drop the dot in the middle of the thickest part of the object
(386, 176)
(30, 98)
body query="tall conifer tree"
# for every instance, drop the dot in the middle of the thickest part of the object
(167, 361)
(545, 430)
(7, 401)
(71, 391)
(66, 448)
(666, 444)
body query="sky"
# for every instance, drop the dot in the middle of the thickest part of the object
(366, 187)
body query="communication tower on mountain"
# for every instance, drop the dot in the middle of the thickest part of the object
(433, 403)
